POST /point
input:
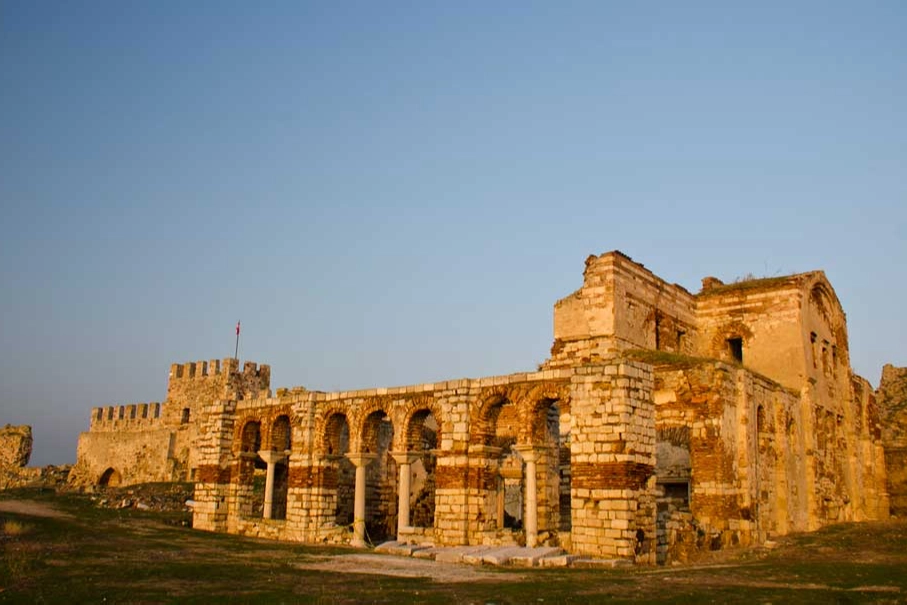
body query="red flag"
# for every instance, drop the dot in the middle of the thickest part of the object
(237, 328)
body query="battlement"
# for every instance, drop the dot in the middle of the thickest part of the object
(202, 381)
(198, 369)
(218, 367)
(133, 416)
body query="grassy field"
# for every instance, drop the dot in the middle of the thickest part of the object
(87, 554)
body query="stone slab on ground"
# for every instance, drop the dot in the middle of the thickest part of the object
(399, 548)
(456, 554)
(558, 561)
(501, 556)
(479, 555)
(428, 553)
(530, 557)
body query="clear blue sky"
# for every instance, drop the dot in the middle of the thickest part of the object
(393, 193)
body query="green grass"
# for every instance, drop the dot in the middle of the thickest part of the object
(663, 358)
(748, 284)
(126, 556)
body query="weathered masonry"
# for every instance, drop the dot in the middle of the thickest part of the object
(663, 424)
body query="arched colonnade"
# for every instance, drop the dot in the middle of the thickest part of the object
(372, 461)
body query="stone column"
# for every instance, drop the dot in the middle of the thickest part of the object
(531, 517)
(360, 461)
(404, 462)
(272, 459)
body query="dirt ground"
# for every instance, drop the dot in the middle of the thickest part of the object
(32, 508)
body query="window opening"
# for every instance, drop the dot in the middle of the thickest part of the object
(812, 343)
(735, 345)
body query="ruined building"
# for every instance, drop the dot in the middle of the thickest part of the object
(664, 423)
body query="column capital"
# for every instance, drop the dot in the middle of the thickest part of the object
(272, 457)
(484, 450)
(361, 458)
(405, 457)
(530, 452)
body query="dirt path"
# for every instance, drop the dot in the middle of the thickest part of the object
(31, 507)
(407, 567)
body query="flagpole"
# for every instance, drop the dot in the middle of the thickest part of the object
(236, 351)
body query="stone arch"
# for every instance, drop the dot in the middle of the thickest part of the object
(375, 424)
(376, 436)
(332, 432)
(250, 437)
(333, 443)
(280, 437)
(485, 417)
(720, 344)
(110, 478)
(416, 427)
(412, 415)
(496, 424)
(548, 432)
(823, 298)
(281, 442)
(422, 437)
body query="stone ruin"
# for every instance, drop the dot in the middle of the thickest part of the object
(15, 452)
(664, 424)
(892, 399)
(15, 446)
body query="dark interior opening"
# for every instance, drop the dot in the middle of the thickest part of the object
(735, 345)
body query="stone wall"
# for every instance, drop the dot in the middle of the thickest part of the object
(129, 456)
(892, 404)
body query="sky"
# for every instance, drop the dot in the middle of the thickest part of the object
(392, 193)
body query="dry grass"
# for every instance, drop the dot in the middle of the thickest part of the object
(15, 528)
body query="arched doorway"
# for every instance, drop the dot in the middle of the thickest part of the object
(110, 478)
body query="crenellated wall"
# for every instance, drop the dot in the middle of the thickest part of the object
(129, 417)
(135, 443)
